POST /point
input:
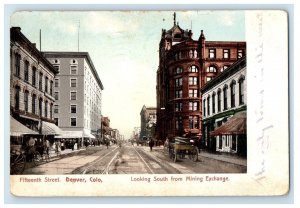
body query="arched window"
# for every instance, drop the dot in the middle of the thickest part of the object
(26, 93)
(232, 93)
(208, 105)
(211, 69)
(17, 98)
(193, 68)
(241, 90)
(26, 71)
(214, 102)
(225, 97)
(46, 109)
(223, 68)
(17, 64)
(33, 104)
(195, 54)
(219, 99)
(40, 107)
(191, 53)
(204, 107)
(33, 76)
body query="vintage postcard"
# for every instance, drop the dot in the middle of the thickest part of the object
(149, 103)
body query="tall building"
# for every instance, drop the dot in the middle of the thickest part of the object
(31, 85)
(148, 121)
(185, 65)
(224, 102)
(77, 93)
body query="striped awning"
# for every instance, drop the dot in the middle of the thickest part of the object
(18, 129)
(50, 129)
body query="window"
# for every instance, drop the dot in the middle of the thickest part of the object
(178, 70)
(73, 70)
(180, 55)
(178, 123)
(178, 82)
(220, 142)
(232, 94)
(193, 93)
(51, 111)
(191, 54)
(56, 67)
(193, 80)
(226, 54)
(214, 102)
(40, 107)
(17, 64)
(219, 100)
(241, 90)
(73, 121)
(33, 104)
(208, 105)
(193, 68)
(225, 97)
(46, 84)
(178, 94)
(51, 87)
(26, 101)
(195, 54)
(204, 107)
(193, 106)
(73, 95)
(178, 107)
(233, 145)
(224, 67)
(208, 79)
(26, 71)
(56, 109)
(33, 76)
(73, 82)
(211, 69)
(56, 95)
(194, 122)
(56, 121)
(46, 109)
(56, 82)
(17, 98)
(73, 108)
(240, 53)
(212, 53)
(41, 82)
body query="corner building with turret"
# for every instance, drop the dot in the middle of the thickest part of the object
(185, 65)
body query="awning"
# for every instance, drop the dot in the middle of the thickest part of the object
(70, 134)
(87, 133)
(50, 129)
(18, 129)
(237, 124)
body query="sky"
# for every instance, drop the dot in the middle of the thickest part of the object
(123, 46)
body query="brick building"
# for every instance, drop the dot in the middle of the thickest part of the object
(185, 65)
(31, 85)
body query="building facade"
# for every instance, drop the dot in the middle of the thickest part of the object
(185, 65)
(148, 122)
(77, 93)
(222, 98)
(31, 84)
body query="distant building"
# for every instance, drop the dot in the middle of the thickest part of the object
(185, 65)
(148, 122)
(77, 93)
(31, 85)
(224, 110)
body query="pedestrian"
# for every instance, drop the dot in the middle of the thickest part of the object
(151, 144)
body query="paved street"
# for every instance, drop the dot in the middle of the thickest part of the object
(130, 159)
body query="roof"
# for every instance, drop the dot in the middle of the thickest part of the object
(18, 129)
(235, 67)
(17, 35)
(237, 124)
(50, 129)
(68, 54)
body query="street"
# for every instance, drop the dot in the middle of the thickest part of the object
(130, 159)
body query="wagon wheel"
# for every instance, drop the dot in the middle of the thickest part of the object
(17, 164)
(194, 155)
(175, 156)
(37, 158)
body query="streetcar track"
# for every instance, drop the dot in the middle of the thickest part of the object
(144, 161)
(106, 170)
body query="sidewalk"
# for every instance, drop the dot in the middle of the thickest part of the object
(221, 157)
